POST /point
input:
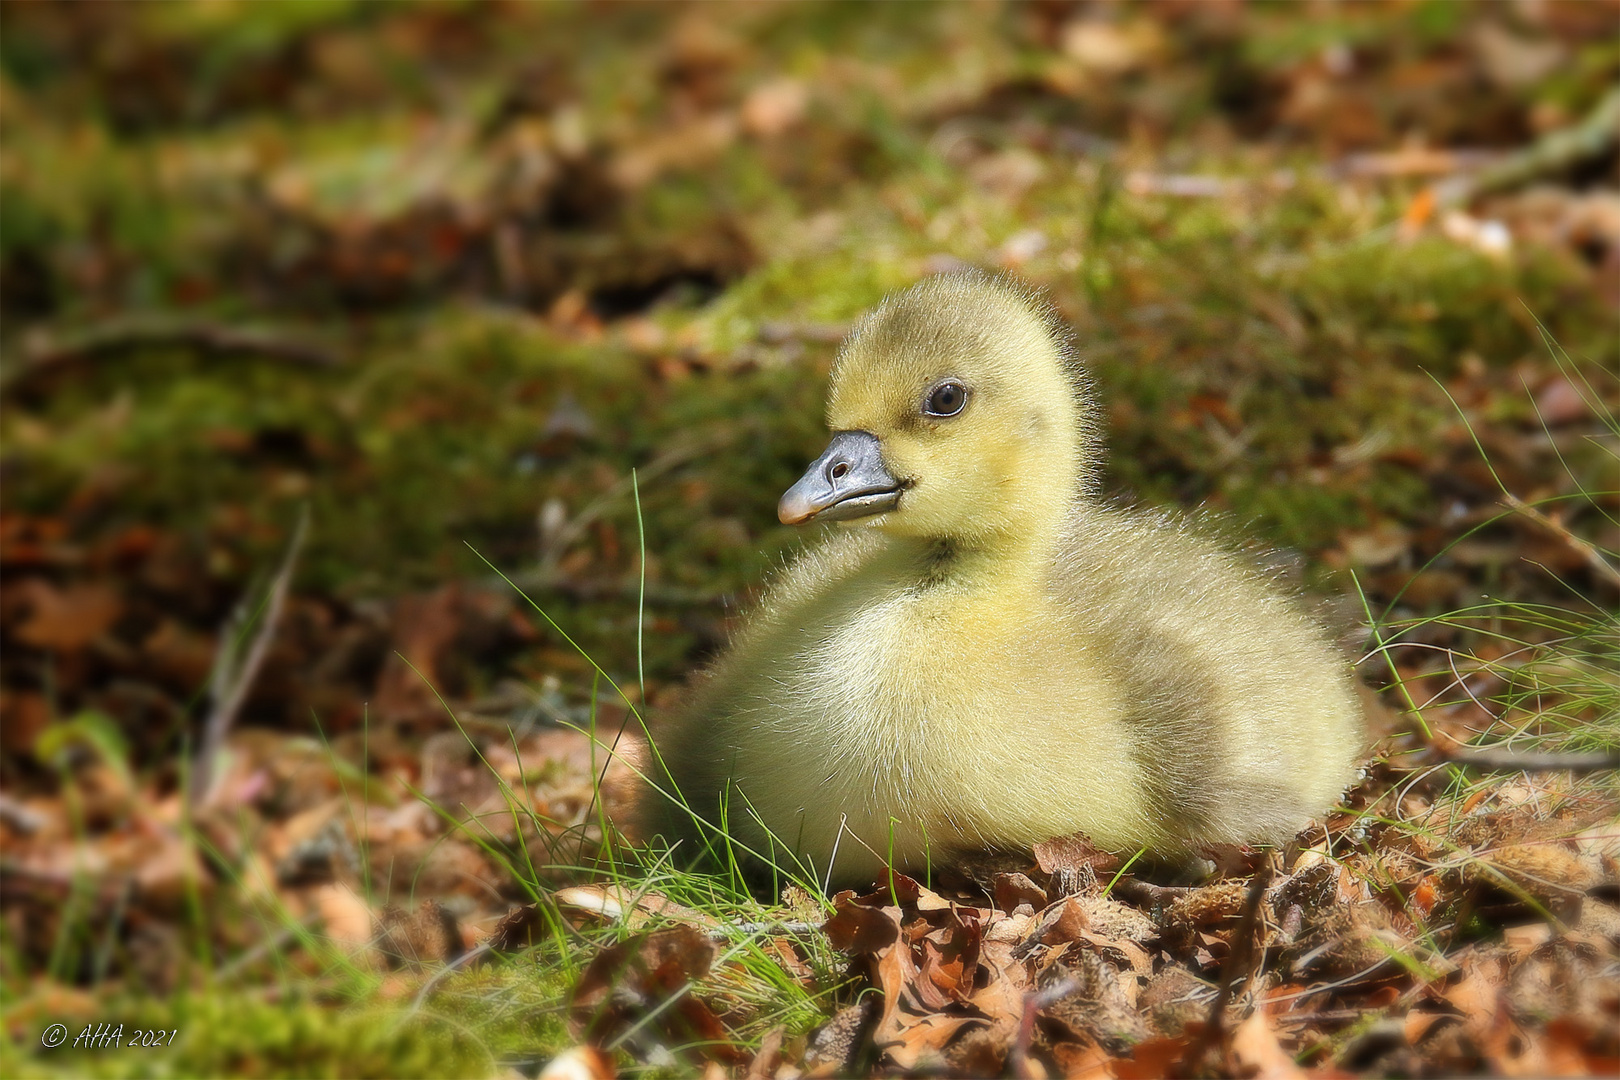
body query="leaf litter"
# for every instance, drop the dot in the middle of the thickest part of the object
(441, 820)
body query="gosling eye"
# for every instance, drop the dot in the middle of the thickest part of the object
(946, 399)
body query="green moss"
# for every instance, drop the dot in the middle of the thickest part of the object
(244, 1035)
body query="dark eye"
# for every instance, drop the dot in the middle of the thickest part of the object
(946, 399)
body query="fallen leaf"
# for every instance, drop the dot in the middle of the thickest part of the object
(768, 1056)
(654, 976)
(1012, 890)
(344, 914)
(68, 618)
(775, 106)
(1258, 1054)
(1153, 1059)
(1075, 852)
(1559, 402)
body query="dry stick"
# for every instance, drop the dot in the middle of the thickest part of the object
(49, 354)
(1496, 760)
(727, 931)
(1591, 554)
(1554, 151)
(1033, 1004)
(231, 683)
(1236, 968)
(1156, 898)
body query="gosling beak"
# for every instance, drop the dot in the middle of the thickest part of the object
(847, 481)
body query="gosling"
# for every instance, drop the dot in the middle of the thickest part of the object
(985, 655)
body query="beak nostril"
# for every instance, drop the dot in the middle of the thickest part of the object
(840, 470)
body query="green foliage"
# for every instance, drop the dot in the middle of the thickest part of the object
(247, 1035)
(1260, 350)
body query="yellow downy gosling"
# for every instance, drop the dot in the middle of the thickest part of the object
(986, 656)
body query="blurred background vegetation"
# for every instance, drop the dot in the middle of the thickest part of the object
(446, 273)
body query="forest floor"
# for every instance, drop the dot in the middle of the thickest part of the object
(394, 400)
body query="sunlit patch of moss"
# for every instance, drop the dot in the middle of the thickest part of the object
(249, 1035)
(516, 1007)
(831, 288)
(1422, 304)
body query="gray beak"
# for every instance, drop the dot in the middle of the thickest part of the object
(847, 481)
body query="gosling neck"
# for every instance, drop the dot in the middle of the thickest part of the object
(1015, 558)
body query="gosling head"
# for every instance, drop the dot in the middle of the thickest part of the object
(957, 413)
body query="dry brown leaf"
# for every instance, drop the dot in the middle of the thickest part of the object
(1012, 890)
(1257, 1053)
(23, 715)
(168, 871)
(1153, 1059)
(1120, 951)
(1083, 1061)
(1073, 853)
(634, 979)
(1419, 1022)
(775, 106)
(424, 627)
(768, 1057)
(861, 928)
(518, 929)
(938, 973)
(67, 618)
(344, 914)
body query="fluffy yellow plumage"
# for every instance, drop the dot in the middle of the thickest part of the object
(985, 656)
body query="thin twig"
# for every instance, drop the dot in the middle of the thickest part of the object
(1591, 554)
(1552, 153)
(230, 683)
(1017, 1061)
(728, 931)
(1237, 967)
(1156, 898)
(1499, 760)
(47, 354)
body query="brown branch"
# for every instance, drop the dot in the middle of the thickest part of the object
(1156, 898)
(47, 354)
(1553, 152)
(1494, 760)
(1499, 759)
(230, 682)
(1591, 554)
(1237, 968)
(1018, 1059)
